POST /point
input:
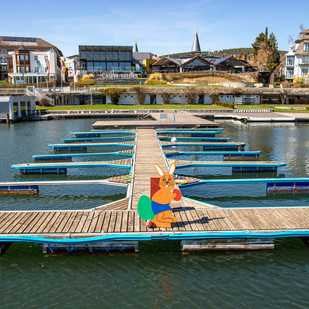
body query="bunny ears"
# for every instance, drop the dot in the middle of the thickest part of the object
(170, 171)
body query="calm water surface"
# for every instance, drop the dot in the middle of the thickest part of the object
(159, 276)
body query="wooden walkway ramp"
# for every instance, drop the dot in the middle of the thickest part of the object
(147, 153)
(97, 222)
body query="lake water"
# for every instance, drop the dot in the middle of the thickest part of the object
(159, 276)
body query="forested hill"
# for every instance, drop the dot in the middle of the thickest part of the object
(242, 52)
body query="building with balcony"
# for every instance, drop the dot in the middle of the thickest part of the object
(9, 44)
(33, 67)
(297, 59)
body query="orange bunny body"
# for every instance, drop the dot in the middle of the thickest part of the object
(163, 198)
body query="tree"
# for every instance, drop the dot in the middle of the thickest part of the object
(273, 58)
(114, 94)
(257, 43)
(265, 51)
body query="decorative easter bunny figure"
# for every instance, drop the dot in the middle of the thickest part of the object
(158, 209)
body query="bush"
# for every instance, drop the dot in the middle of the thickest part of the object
(51, 84)
(140, 95)
(155, 82)
(297, 80)
(44, 102)
(224, 104)
(83, 82)
(114, 94)
(238, 91)
(166, 98)
(286, 84)
(191, 94)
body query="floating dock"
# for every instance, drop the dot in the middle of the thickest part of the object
(191, 130)
(96, 139)
(101, 133)
(84, 146)
(117, 226)
(201, 139)
(208, 145)
(273, 185)
(227, 155)
(68, 157)
(61, 168)
(237, 166)
(191, 133)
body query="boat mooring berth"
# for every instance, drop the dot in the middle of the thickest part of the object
(118, 227)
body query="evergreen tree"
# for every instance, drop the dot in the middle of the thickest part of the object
(269, 50)
(266, 35)
(257, 43)
(273, 58)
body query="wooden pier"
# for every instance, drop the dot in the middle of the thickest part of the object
(167, 119)
(120, 219)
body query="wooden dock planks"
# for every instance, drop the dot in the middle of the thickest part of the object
(127, 221)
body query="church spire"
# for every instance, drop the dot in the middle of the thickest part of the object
(196, 44)
(135, 49)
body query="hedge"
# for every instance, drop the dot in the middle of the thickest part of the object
(224, 104)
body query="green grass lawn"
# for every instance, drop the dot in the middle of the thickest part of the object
(285, 108)
(161, 86)
(273, 107)
(128, 107)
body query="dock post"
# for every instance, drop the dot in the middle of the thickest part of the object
(7, 119)
(204, 245)
(4, 246)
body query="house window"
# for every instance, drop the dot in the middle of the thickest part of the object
(289, 73)
(46, 58)
(304, 72)
(306, 47)
(35, 57)
(290, 61)
(305, 60)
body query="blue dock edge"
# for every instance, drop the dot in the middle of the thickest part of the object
(68, 157)
(202, 139)
(272, 183)
(83, 147)
(159, 236)
(225, 154)
(19, 188)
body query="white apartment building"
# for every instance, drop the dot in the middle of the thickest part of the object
(32, 67)
(72, 68)
(297, 59)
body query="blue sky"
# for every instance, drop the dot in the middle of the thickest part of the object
(160, 27)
